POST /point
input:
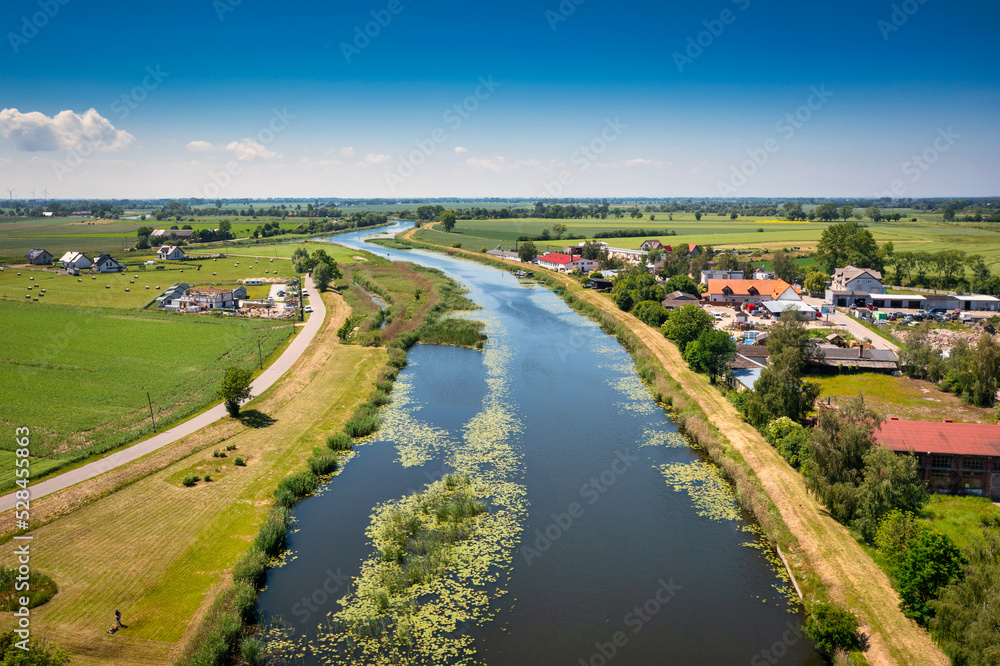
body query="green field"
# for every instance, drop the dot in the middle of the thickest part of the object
(929, 233)
(78, 376)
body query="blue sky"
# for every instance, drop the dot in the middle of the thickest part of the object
(247, 98)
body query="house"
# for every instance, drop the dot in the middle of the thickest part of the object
(39, 257)
(75, 260)
(601, 284)
(209, 298)
(745, 371)
(500, 253)
(693, 249)
(573, 250)
(171, 253)
(105, 263)
(80, 212)
(677, 299)
(564, 263)
(167, 234)
(749, 292)
(851, 278)
(838, 359)
(651, 244)
(716, 274)
(962, 458)
(173, 292)
(624, 254)
(761, 274)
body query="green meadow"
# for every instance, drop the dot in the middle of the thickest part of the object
(78, 376)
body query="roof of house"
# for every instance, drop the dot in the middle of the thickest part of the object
(755, 352)
(741, 362)
(168, 249)
(875, 359)
(772, 288)
(679, 297)
(747, 376)
(692, 247)
(777, 307)
(36, 253)
(104, 257)
(652, 242)
(556, 258)
(180, 233)
(848, 273)
(971, 439)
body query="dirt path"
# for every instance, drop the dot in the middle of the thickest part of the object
(137, 540)
(853, 578)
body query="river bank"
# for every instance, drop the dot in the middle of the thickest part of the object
(821, 554)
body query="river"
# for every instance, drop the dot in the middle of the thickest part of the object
(608, 539)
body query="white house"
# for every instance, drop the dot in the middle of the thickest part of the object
(210, 298)
(718, 274)
(105, 263)
(851, 278)
(171, 253)
(761, 274)
(75, 260)
(563, 263)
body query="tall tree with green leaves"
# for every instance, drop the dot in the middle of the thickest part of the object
(235, 388)
(932, 561)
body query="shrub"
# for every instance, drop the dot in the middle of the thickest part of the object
(208, 478)
(190, 479)
(340, 442)
(364, 422)
(250, 649)
(251, 568)
(239, 462)
(456, 245)
(322, 462)
(832, 628)
(296, 486)
(397, 358)
(218, 454)
(230, 447)
(380, 397)
(41, 588)
(271, 539)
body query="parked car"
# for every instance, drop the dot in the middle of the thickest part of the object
(309, 308)
(896, 315)
(937, 310)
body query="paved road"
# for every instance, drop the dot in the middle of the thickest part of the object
(854, 328)
(262, 383)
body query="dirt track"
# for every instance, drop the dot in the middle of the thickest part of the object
(853, 578)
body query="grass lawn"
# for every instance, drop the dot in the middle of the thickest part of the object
(156, 549)
(78, 376)
(909, 399)
(961, 518)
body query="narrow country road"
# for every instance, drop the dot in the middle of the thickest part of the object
(270, 375)
(854, 328)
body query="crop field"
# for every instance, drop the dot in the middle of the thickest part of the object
(929, 233)
(80, 375)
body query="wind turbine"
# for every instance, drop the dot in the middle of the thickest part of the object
(32, 195)
(11, 193)
(45, 193)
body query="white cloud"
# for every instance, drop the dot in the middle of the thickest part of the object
(347, 151)
(246, 149)
(34, 131)
(460, 150)
(373, 158)
(201, 147)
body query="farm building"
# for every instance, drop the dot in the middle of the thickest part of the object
(676, 299)
(854, 358)
(500, 253)
(38, 257)
(777, 307)
(956, 458)
(171, 253)
(563, 263)
(750, 291)
(76, 260)
(167, 234)
(105, 263)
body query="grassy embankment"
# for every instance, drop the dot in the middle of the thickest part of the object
(821, 554)
(139, 540)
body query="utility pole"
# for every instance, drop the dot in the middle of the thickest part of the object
(260, 354)
(151, 411)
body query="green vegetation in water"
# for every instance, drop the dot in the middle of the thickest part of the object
(41, 588)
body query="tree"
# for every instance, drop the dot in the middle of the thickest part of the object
(623, 299)
(447, 220)
(948, 264)
(697, 215)
(873, 214)
(919, 359)
(850, 243)
(948, 215)
(967, 611)
(785, 268)
(932, 561)
(845, 212)
(225, 226)
(710, 353)
(792, 211)
(815, 282)
(981, 275)
(322, 275)
(891, 482)
(837, 450)
(558, 230)
(832, 628)
(235, 388)
(39, 652)
(895, 533)
(527, 252)
(733, 216)
(827, 212)
(650, 312)
(682, 283)
(685, 324)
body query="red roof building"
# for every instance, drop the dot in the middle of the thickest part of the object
(953, 458)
